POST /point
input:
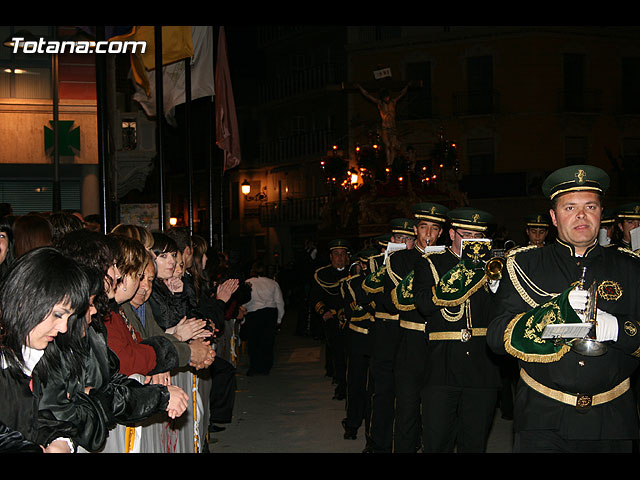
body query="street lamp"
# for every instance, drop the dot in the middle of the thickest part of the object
(246, 187)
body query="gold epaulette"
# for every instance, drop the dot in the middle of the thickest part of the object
(628, 251)
(515, 250)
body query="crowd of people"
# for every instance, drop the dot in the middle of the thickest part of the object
(444, 321)
(118, 342)
(127, 341)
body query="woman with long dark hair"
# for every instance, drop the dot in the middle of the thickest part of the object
(56, 289)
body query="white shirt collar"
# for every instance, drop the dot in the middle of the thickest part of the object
(31, 358)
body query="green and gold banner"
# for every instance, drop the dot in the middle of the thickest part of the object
(402, 295)
(459, 283)
(523, 336)
(374, 282)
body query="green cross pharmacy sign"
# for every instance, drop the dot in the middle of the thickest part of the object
(68, 138)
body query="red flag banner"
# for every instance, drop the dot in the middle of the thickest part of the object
(227, 135)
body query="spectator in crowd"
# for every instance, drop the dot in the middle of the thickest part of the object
(64, 222)
(264, 314)
(57, 289)
(152, 356)
(30, 231)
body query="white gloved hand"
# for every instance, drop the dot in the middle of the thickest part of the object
(606, 326)
(493, 285)
(578, 299)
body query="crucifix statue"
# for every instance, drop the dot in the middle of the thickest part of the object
(387, 109)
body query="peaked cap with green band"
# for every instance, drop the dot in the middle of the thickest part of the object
(470, 219)
(383, 240)
(339, 243)
(608, 217)
(523, 336)
(538, 220)
(432, 212)
(403, 226)
(575, 178)
(629, 210)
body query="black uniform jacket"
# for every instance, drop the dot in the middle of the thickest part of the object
(454, 363)
(358, 313)
(532, 276)
(325, 291)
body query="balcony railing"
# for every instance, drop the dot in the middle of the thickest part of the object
(308, 79)
(295, 146)
(293, 210)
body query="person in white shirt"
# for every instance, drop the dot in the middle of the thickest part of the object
(264, 314)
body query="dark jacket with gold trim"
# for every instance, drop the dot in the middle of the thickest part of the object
(324, 294)
(358, 313)
(553, 269)
(454, 362)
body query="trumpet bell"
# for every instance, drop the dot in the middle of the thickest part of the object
(494, 267)
(588, 347)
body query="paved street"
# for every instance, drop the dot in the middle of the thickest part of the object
(292, 411)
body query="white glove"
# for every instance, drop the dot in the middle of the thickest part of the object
(578, 299)
(493, 285)
(606, 326)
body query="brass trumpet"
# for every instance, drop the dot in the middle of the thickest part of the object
(493, 268)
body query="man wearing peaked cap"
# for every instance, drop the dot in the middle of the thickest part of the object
(461, 378)
(402, 231)
(430, 219)
(566, 400)
(326, 301)
(628, 218)
(537, 228)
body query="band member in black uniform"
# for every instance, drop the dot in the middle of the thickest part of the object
(573, 395)
(410, 356)
(462, 379)
(384, 338)
(325, 299)
(537, 229)
(358, 313)
(627, 219)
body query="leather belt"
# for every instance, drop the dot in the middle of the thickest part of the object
(355, 328)
(463, 335)
(582, 402)
(412, 325)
